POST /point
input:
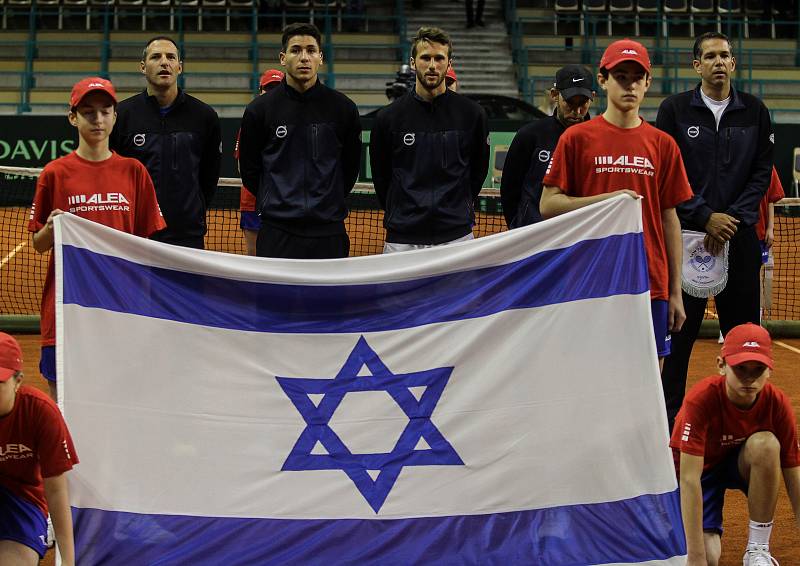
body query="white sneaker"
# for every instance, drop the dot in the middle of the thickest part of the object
(51, 533)
(758, 555)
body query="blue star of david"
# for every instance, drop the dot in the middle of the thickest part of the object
(405, 453)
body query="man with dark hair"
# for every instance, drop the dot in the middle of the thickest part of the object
(429, 153)
(300, 151)
(726, 140)
(178, 138)
(530, 151)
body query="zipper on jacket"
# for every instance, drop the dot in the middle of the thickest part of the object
(175, 151)
(728, 141)
(314, 143)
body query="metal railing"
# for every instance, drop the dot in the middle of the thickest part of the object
(108, 16)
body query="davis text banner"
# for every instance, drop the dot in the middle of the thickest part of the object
(489, 402)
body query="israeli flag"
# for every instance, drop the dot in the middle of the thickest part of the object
(489, 402)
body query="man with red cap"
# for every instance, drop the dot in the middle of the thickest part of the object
(735, 431)
(92, 182)
(36, 451)
(620, 153)
(249, 220)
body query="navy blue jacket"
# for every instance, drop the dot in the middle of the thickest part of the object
(299, 153)
(728, 168)
(429, 161)
(182, 152)
(524, 168)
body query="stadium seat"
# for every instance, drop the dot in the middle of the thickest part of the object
(158, 7)
(647, 6)
(676, 5)
(129, 7)
(594, 5)
(213, 7)
(702, 6)
(729, 7)
(566, 6)
(68, 5)
(622, 8)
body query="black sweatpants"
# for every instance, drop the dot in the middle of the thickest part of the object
(274, 242)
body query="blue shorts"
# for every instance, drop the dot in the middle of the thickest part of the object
(250, 221)
(714, 483)
(47, 363)
(22, 522)
(660, 311)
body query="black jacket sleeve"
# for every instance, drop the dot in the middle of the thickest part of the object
(747, 203)
(351, 150)
(380, 157)
(516, 165)
(211, 160)
(479, 163)
(252, 138)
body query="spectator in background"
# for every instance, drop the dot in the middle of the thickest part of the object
(300, 154)
(474, 17)
(178, 138)
(249, 220)
(529, 155)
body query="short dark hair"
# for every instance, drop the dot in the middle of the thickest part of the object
(300, 28)
(697, 50)
(432, 35)
(160, 38)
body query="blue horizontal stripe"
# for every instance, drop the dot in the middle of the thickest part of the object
(590, 269)
(635, 530)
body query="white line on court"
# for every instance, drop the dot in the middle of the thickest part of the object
(785, 345)
(12, 253)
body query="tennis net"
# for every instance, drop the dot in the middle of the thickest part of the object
(22, 270)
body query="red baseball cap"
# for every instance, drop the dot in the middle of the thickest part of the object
(10, 357)
(91, 84)
(270, 76)
(625, 50)
(450, 77)
(747, 342)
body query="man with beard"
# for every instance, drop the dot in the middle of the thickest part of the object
(726, 141)
(429, 154)
(178, 138)
(529, 154)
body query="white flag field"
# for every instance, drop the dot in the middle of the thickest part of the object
(489, 402)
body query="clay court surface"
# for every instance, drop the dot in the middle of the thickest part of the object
(785, 538)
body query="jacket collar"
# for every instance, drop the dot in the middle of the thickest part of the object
(735, 103)
(437, 101)
(180, 99)
(302, 96)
